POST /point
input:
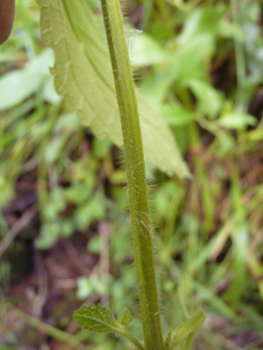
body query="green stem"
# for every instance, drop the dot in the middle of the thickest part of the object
(135, 167)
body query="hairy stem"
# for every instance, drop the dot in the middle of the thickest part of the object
(135, 167)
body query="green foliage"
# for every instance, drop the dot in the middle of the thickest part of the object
(24, 82)
(98, 319)
(80, 52)
(180, 333)
(217, 264)
(95, 318)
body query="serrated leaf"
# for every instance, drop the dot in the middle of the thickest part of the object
(84, 77)
(96, 318)
(189, 326)
(125, 317)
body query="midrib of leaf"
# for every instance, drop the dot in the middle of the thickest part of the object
(83, 75)
(107, 325)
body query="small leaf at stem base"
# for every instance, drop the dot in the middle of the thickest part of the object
(181, 332)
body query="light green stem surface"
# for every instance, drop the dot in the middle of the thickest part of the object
(137, 186)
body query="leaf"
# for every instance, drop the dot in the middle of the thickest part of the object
(17, 85)
(189, 326)
(190, 57)
(88, 286)
(209, 99)
(83, 75)
(125, 317)
(91, 211)
(146, 51)
(237, 120)
(175, 114)
(96, 318)
(202, 20)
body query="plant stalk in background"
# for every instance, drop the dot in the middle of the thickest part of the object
(135, 167)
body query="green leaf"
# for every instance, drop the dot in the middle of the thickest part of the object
(17, 85)
(175, 114)
(209, 99)
(146, 51)
(88, 286)
(83, 76)
(125, 317)
(203, 20)
(236, 120)
(189, 58)
(189, 326)
(96, 318)
(91, 211)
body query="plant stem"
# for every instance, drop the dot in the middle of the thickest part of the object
(136, 177)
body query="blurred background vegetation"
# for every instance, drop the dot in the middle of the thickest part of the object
(64, 225)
